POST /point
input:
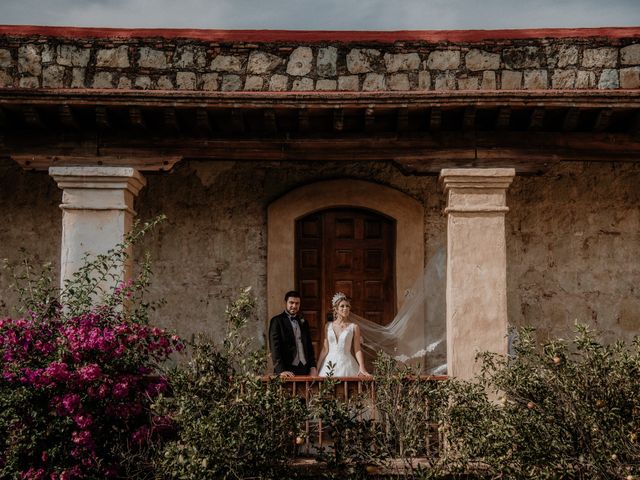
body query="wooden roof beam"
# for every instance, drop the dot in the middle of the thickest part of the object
(402, 119)
(203, 124)
(504, 118)
(67, 117)
(136, 119)
(237, 121)
(603, 120)
(32, 117)
(536, 121)
(303, 120)
(270, 124)
(369, 119)
(338, 119)
(469, 120)
(170, 120)
(435, 119)
(102, 117)
(570, 122)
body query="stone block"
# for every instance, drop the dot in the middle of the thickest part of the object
(324, 84)
(445, 81)
(48, 53)
(29, 82)
(142, 82)
(152, 58)
(398, 82)
(362, 60)
(536, 80)
(103, 80)
(263, 62)
(113, 57)
(585, 79)
(164, 82)
(609, 79)
(124, 83)
(401, 62)
(190, 57)
(511, 80)
(29, 60)
(600, 57)
(349, 82)
(186, 80)
(6, 80)
(327, 61)
(72, 56)
(563, 79)
(521, 57)
(253, 82)
(444, 60)
(630, 77)
(231, 83)
(374, 82)
(300, 61)
(477, 60)
(468, 83)
(278, 83)
(210, 81)
(303, 84)
(630, 55)
(53, 76)
(424, 80)
(78, 77)
(5, 58)
(567, 55)
(488, 80)
(227, 63)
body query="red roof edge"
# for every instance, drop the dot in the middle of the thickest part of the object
(313, 36)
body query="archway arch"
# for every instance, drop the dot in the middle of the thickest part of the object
(283, 213)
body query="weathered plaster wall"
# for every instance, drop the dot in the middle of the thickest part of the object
(573, 242)
(30, 218)
(531, 60)
(573, 237)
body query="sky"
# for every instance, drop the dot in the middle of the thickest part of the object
(323, 14)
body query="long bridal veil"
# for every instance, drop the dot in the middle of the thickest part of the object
(417, 334)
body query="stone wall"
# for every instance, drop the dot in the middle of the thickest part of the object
(156, 63)
(573, 237)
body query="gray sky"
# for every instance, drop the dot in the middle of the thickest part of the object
(323, 14)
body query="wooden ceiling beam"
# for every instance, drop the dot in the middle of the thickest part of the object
(469, 120)
(338, 119)
(32, 117)
(270, 124)
(435, 119)
(136, 120)
(570, 121)
(369, 119)
(67, 117)
(303, 120)
(536, 120)
(203, 124)
(504, 118)
(402, 119)
(170, 120)
(102, 117)
(237, 121)
(603, 120)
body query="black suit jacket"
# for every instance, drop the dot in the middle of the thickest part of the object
(282, 343)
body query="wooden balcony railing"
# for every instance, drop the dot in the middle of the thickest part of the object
(348, 388)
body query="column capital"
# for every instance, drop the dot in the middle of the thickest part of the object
(98, 187)
(476, 190)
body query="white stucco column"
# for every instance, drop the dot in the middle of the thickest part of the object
(476, 293)
(97, 211)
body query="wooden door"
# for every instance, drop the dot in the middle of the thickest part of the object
(350, 251)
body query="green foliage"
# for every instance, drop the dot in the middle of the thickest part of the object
(353, 441)
(230, 423)
(563, 410)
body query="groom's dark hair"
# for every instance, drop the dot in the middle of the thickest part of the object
(291, 293)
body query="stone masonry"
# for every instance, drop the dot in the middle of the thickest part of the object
(38, 61)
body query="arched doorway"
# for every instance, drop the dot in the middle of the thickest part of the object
(351, 250)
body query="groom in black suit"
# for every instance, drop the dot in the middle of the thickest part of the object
(290, 341)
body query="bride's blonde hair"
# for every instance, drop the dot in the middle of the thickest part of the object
(335, 301)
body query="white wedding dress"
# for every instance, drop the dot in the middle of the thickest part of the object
(344, 365)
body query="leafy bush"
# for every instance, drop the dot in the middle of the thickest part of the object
(566, 410)
(230, 423)
(77, 372)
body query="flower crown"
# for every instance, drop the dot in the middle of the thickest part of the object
(337, 298)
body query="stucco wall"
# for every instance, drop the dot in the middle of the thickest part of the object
(573, 242)
(573, 237)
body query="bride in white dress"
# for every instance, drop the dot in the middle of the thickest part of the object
(340, 336)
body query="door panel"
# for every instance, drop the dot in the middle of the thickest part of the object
(349, 251)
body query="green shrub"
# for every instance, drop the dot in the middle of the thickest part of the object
(230, 423)
(563, 410)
